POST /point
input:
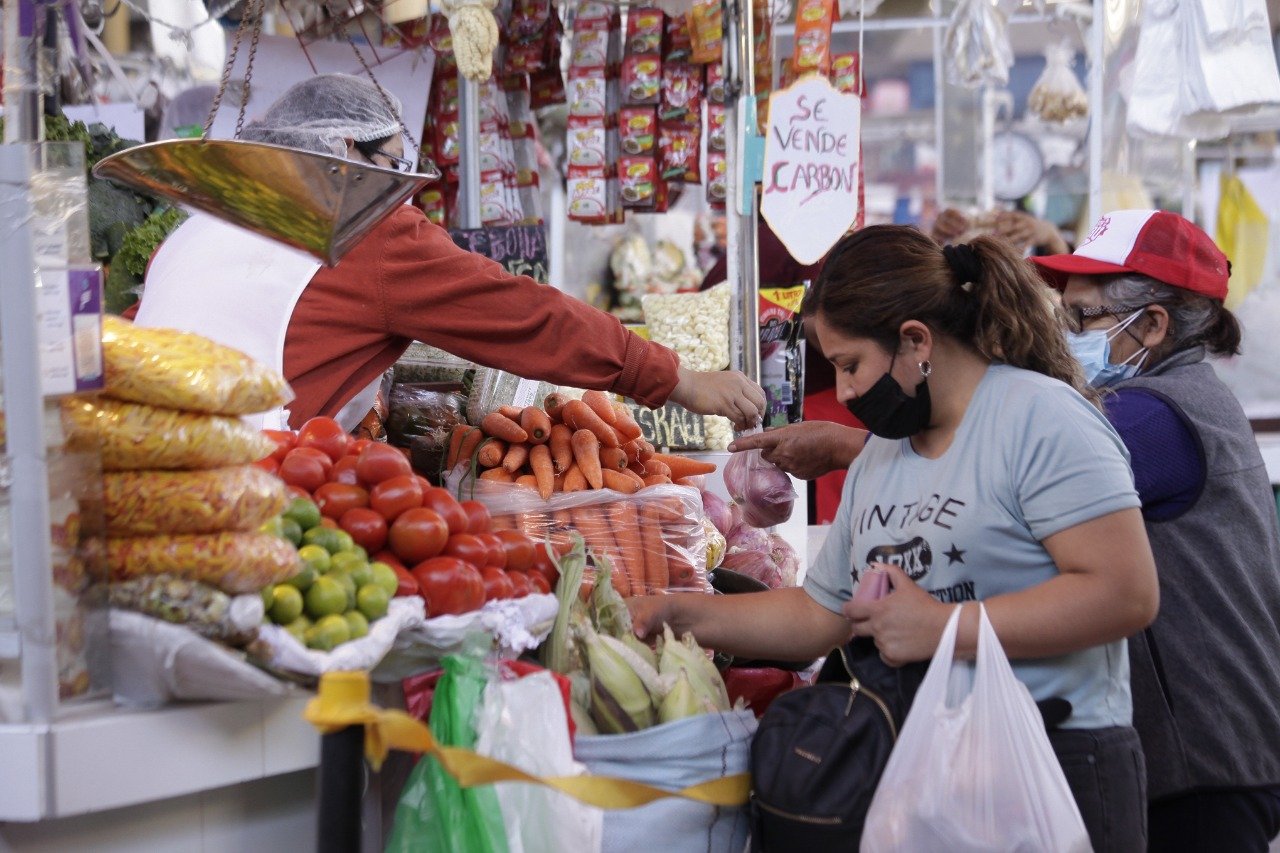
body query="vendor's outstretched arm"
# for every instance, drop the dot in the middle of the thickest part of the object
(807, 450)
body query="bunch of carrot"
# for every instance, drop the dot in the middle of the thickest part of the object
(567, 445)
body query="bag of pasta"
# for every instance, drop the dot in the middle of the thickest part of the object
(143, 503)
(177, 370)
(233, 562)
(133, 436)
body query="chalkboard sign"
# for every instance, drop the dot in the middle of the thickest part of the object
(522, 249)
(671, 427)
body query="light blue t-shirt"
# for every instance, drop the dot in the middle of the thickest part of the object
(1030, 458)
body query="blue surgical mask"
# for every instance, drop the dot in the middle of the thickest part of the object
(1093, 350)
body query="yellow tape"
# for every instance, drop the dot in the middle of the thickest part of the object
(343, 700)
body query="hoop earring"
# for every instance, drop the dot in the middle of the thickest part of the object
(926, 369)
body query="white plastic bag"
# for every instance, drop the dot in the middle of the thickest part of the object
(523, 723)
(973, 772)
(977, 46)
(1058, 96)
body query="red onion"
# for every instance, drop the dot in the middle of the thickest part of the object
(718, 511)
(786, 558)
(747, 538)
(763, 489)
(754, 564)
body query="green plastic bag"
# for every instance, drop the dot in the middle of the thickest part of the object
(434, 814)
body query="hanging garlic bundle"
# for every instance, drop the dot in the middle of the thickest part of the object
(475, 36)
(1057, 95)
(977, 45)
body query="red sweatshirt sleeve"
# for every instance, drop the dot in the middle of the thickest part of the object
(431, 290)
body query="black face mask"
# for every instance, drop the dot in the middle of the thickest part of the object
(887, 410)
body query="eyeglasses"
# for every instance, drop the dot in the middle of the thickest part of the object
(400, 164)
(1076, 317)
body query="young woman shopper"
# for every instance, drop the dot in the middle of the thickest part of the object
(988, 477)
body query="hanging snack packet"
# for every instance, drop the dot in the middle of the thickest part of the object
(814, 19)
(715, 83)
(782, 354)
(546, 88)
(846, 73)
(638, 130)
(642, 79)
(706, 28)
(716, 127)
(638, 180)
(587, 143)
(681, 92)
(645, 25)
(717, 178)
(589, 200)
(679, 40)
(678, 150)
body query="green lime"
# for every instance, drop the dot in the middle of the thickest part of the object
(346, 561)
(287, 605)
(372, 601)
(357, 623)
(345, 542)
(326, 597)
(274, 526)
(298, 628)
(328, 632)
(268, 597)
(303, 579)
(316, 557)
(362, 575)
(344, 580)
(356, 549)
(326, 537)
(291, 531)
(304, 512)
(385, 577)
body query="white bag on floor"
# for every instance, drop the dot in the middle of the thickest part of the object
(973, 769)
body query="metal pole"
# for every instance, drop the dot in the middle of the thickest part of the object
(341, 790)
(22, 97)
(733, 155)
(742, 261)
(1097, 112)
(468, 153)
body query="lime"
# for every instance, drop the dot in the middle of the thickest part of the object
(298, 628)
(328, 632)
(287, 605)
(291, 530)
(326, 537)
(303, 579)
(345, 542)
(372, 601)
(316, 557)
(356, 549)
(362, 575)
(344, 580)
(274, 526)
(385, 577)
(357, 623)
(346, 561)
(326, 597)
(304, 512)
(268, 597)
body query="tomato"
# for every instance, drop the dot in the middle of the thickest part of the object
(538, 584)
(520, 581)
(328, 522)
(544, 564)
(356, 446)
(497, 584)
(387, 557)
(379, 462)
(418, 534)
(478, 518)
(344, 471)
(464, 546)
(334, 499)
(325, 435)
(449, 585)
(519, 549)
(367, 529)
(284, 440)
(497, 551)
(296, 492)
(394, 496)
(449, 509)
(306, 468)
(270, 465)
(408, 583)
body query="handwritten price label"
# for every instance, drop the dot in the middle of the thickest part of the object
(811, 166)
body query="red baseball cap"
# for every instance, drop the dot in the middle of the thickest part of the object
(1154, 243)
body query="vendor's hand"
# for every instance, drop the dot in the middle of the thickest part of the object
(906, 624)
(950, 225)
(1026, 231)
(806, 450)
(720, 392)
(648, 614)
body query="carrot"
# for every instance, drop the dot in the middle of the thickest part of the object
(533, 524)
(512, 412)
(552, 403)
(601, 405)
(491, 452)
(469, 444)
(656, 572)
(517, 455)
(540, 462)
(637, 479)
(497, 475)
(613, 457)
(590, 522)
(646, 451)
(578, 415)
(500, 426)
(653, 466)
(586, 452)
(632, 449)
(528, 481)
(681, 568)
(503, 522)
(657, 480)
(683, 466)
(561, 447)
(626, 425)
(636, 468)
(626, 530)
(535, 422)
(619, 481)
(455, 445)
(557, 484)
(574, 481)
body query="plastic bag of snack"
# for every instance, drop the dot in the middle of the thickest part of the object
(232, 562)
(144, 503)
(695, 325)
(133, 436)
(814, 19)
(208, 611)
(1058, 95)
(177, 370)
(706, 28)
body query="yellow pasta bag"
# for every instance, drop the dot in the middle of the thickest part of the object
(134, 437)
(233, 562)
(143, 503)
(178, 370)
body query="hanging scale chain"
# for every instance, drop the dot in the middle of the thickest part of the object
(255, 10)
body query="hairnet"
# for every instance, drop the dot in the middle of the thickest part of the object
(320, 114)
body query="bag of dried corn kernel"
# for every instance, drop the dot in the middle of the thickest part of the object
(695, 325)
(233, 562)
(143, 503)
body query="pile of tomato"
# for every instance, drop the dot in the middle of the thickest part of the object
(441, 549)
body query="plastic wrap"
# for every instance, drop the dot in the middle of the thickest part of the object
(655, 538)
(421, 411)
(493, 389)
(134, 436)
(695, 325)
(177, 370)
(1057, 94)
(977, 46)
(144, 503)
(209, 612)
(233, 562)
(762, 489)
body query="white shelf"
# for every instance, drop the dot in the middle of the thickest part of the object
(103, 757)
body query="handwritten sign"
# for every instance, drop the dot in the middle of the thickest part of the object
(522, 249)
(811, 166)
(671, 427)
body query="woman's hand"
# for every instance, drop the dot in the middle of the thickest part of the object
(950, 225)
(720, 392)
(649, 614)
(906, 624)
(807, 450)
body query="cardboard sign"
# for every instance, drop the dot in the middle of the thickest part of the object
(811, 166)
(671, 427)
(522, 249)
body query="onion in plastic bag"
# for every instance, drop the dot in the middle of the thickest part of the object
(762, 489)
(718, 512)
(747, 538)
(754, 564)
(785, 557)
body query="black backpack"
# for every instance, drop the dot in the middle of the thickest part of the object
(818, 754)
